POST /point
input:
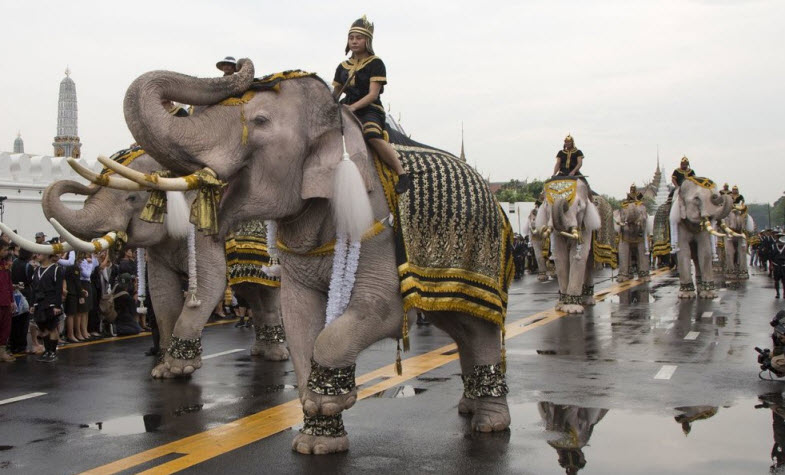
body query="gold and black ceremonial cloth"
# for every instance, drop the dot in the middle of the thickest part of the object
(124, 157)
(662, 231)
(247, 254)
(453, 240)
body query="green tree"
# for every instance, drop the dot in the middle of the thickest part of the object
(615, 204)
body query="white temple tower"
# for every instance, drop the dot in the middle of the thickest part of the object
(66, 142)
(19, 144)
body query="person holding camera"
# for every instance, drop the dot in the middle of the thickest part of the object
(774, 360)
(778, 263)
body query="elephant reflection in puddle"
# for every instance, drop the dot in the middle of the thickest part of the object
(690, 414)
(576, 425)
(775, 402)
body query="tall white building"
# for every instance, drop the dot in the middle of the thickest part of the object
(66, 142)
(19, 144)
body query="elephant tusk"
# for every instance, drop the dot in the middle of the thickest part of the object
(572, 235)
(35, 248)
(183, 183)
(108, 181)
(96, 245)
(707, 225)
(731, 232)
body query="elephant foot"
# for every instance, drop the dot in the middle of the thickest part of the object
(270, 351)
(707, 294)
(559, 306)
(329, 390)
(490, 414)
(321, 435)
(572, 308)
(182, 367)
(622, 278)
(588, 300)
(465, 406)
(686, 294)
(160, 371)
(646, 279)
(542, 278)
(317, 445)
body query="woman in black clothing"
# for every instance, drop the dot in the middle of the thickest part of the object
(125, 306)
(47, 302)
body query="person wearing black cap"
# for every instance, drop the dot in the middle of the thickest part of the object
(362, 78)
(228, 65)
(778, 263)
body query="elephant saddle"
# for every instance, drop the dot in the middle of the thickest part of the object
(453, 240)
(247, 254)
(662, 231)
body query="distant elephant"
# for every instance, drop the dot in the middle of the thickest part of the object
(540, 245)
(695, 204)
(570, 215)
(117, 206)
(738, 226)
(633, 233)
(280, 143)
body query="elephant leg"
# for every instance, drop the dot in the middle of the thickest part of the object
(167, 300)
(562, 262)
(542, 269)
(184, 354)
(265, 305)
(578, 258)
(704, 259)
(624, 262)
(587, 292)
(485, 386)
(643, 263)
(729, 260)
(744, 270)
(686, 286)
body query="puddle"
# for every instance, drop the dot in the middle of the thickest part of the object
(128, 425)
(451, 352)
(6, 447)
(187, 409)
(400, 392)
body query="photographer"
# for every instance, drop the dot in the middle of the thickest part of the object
(774, 360)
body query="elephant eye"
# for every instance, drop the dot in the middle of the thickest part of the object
(260, 120)
(131, 198)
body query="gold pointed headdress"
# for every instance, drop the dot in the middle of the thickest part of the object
(735, 188)
(363, 27)
(684, 159)
(569, 138)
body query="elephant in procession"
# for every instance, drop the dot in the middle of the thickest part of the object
(632, 225)
(354, 255)
(694, 205)
(737, 226)
(115, 204)
(580, 226)
(540, 245)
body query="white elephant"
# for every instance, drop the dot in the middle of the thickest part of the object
(541, 245)
(631, 224)
(738, 226)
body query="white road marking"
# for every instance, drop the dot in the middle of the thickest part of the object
(228, 352)
(707, 314)
(21, 398)
(665, 372)
(692, 335)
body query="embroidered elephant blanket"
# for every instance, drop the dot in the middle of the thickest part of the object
(453, 240)
(662, 231)
(247, 254)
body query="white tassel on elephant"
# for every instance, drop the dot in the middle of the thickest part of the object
(191, 300)
(178, 214)
(274, 269)
(141, 279)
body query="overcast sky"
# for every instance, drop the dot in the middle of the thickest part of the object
(701, 78)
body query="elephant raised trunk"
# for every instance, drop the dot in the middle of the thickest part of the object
(172, 140)
(82, 222)
(562, 222)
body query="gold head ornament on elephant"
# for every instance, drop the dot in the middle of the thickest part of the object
(355, 257)
(580, 225)
(696, 207)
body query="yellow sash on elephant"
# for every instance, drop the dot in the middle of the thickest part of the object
(605, 249)
(453, 240)
(561, 189)
(662, 231)
(247, 254)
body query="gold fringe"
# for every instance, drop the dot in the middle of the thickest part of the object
(398, 364)
(405, 331)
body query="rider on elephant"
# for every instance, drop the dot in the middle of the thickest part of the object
(677, 178)
(634, 195)
(725, 189)
(738, 199)
(569, 159)
(362, 78)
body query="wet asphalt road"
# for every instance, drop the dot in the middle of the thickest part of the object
(642, 383)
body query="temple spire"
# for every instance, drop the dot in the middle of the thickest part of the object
(463, 155)
(66, 143)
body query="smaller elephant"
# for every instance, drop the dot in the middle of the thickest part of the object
(631, 223)
(571, 214)
(738, 225)
(696, 203)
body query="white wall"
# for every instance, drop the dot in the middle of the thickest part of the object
(517, 214)
(23, 178)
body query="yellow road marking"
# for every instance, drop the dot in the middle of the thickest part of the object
(118, 338)
(225, 438)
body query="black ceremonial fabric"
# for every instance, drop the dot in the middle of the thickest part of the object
(246, 254)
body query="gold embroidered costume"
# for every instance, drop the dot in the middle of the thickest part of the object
(246, 254)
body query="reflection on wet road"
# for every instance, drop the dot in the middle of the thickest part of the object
(642, 383)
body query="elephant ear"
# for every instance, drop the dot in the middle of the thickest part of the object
(325, 155)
